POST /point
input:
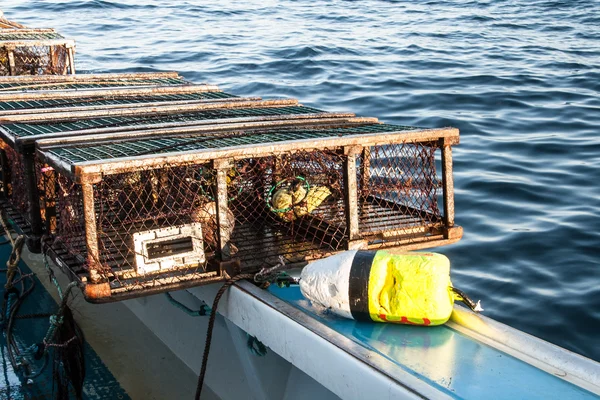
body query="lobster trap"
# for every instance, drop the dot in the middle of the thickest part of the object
(135, 217)
(89, 81)
(35, 52)
(35, 110)
(108, 114)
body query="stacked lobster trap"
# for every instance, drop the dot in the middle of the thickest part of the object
(25, 83)
(114, 112)
(28, 106)
(35, 52)
(141, 215)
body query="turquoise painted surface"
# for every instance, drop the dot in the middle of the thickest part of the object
(99, 382)
(460, 366)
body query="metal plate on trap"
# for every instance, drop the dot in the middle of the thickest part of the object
(168, 248)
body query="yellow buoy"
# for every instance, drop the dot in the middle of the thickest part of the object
(384, 286)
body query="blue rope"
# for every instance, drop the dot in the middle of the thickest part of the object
(203, 311)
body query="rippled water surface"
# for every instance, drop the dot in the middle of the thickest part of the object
(520, 79)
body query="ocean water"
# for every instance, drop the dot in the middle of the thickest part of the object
(520, 79)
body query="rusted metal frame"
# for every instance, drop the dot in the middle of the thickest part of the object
(126, 294)
(36, 42)
(163, 128)
(28, 31)
(139, 111)
(351, 197)
(7, 137)
(415, 243)
(222, 166)
(71, 56)
(33, 198)
(91, 235)
(82, 107)
(92, 77)
(424, 215)
(127, 164)
(11, 60)
(365, 167)
(448, 184)
(206, 128)
(106, 92)
(61, 166)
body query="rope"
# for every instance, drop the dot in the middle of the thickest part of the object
(211, 324)
(264, 276)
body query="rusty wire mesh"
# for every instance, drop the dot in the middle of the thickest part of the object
(35, 60)
(133, 203)
(398, 191)
(48, 83)
(290, 205)
(13, 175)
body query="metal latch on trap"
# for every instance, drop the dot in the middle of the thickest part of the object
(168, 248)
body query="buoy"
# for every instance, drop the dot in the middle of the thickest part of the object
(384, 286)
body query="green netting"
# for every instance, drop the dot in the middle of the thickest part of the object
(28, 35)
(28, 129)
(94, 101)
(101, 152)
(92, 84)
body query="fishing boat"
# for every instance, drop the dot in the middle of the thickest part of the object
(180, 207)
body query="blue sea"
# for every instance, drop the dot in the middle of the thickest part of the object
(519, 78)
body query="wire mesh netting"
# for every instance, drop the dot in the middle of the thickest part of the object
(290, 205)
(13, 178)
(29, 34)
(35, 60)
(398, 192)
(95, 83)
(47, 127)
(154, 227)
(108, 151)
(95, 101)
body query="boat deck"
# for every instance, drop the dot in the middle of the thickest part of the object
(443, 357)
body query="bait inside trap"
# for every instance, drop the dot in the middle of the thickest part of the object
(35, 52)
(135, 217)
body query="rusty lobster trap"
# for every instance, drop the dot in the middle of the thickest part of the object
(35, 52)
(89, 81)
(27, 116)
(135, 217)
(107, 114)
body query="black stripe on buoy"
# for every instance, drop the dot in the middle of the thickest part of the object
(358, 285)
